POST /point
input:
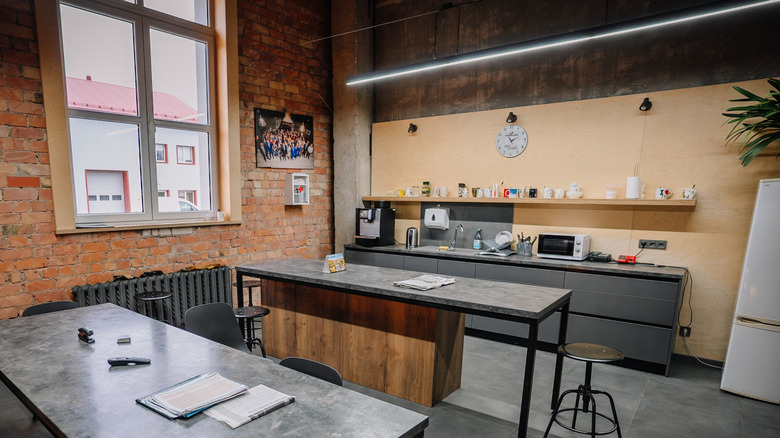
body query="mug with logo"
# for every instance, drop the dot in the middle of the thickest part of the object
(689, 193)
(663, 193)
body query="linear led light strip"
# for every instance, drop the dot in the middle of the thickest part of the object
(551, 42)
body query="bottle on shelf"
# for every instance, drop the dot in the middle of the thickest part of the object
(426, 189)
(478, 239)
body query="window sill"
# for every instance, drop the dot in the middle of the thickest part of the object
(146, 226)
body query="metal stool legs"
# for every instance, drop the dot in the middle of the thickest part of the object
(587, 394)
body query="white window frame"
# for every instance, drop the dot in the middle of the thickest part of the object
(224, 118)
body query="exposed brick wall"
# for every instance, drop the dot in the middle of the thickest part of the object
(275, 73)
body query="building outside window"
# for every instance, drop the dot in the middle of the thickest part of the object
(138, 78)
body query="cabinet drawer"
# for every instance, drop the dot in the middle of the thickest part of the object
(422, 264)
(517, 274)
(548, 329)
(635, 341)
(661, 312)
(388, 260)
(359, 257)
(634, 287)
(456, 268)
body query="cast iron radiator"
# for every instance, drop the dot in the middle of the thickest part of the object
(190, 288)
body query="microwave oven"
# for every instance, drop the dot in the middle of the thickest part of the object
(563, 246)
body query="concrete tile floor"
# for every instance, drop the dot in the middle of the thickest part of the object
(687, 403)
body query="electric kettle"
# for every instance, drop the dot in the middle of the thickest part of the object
(411, 238)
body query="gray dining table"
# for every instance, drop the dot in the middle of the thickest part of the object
(70, 387)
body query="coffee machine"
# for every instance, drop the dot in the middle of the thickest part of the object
(375, 226)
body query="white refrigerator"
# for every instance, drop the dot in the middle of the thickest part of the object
(752, 366)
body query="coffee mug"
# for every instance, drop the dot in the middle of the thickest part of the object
(531, 193)
(574, 187)
(559, 193)
(521, 192)
(611, 192)
(548, 192)
(689, 193)
(663, 193)
(436, 192)
(443, 192)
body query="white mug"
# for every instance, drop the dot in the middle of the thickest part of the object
(436, 192)
(521, 192)
(689, 193)
(611, 192)
(574, 187)
(443, 192)
(663, 193)
(548, 192)
(559, 193)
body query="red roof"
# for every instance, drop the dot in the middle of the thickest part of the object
(99, 96)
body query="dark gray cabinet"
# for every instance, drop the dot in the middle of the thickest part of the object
(632, 311)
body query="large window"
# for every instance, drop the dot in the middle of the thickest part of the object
(139, 76)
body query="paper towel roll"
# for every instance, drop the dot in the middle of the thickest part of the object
(634, 188)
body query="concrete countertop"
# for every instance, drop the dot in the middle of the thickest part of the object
(519, 302)
(466, 254)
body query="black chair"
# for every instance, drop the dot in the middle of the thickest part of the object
(588, 353)
(313, 368)
(54, 306)
(217, 322)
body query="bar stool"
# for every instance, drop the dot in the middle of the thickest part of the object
(154, 300)
(246, 316)
(588, 353)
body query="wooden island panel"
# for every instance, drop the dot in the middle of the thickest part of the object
(406, 350)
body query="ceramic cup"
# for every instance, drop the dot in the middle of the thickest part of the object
(436, 192)
(532, 193)
(611, 192)
(521, 192)
(548, 193)
(689, 193)
(512, 193)
(663, 193)
(559, 193)
(443, 192)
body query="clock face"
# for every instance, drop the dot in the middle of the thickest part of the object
(511, 141)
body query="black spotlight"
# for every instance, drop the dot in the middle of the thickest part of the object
(646, 104)
(511, 118)
(412, 128)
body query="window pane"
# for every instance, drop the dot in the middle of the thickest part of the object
(99, 57)
(190, 10)
(106, 167)
(193, 181)
(179, 78)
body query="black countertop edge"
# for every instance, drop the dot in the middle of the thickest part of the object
(648, 271)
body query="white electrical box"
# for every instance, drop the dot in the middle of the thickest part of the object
(296, 189)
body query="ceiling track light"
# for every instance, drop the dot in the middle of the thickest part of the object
(646, 104)
(412, 128)
(612, 30)
(511, 118)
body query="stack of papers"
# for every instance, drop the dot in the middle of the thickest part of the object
(257, 402)
(193, 395)
(425, 282)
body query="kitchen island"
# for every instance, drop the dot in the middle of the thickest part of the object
(398, 340)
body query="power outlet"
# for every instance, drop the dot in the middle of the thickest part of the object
(685, 332)
(652, 244)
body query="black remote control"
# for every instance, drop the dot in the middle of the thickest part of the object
(123, 361)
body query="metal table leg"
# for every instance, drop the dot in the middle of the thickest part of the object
(559, 358)
(528, 380)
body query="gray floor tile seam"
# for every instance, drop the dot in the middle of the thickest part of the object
(474, 414)
(627, 430)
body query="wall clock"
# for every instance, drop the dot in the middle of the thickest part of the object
(511, 141)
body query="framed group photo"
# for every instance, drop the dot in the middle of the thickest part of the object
(284, 140)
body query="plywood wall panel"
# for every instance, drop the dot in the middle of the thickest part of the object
(678, 143)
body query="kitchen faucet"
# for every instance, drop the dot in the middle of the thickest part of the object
(455, 237)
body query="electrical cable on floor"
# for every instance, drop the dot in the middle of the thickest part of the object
(688, 347)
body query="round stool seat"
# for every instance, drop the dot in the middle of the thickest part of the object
(249, 283)
(590, 352)
(153, 296)
(251, 312)
(149, 298)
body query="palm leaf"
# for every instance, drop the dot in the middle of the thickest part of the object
(757, 125)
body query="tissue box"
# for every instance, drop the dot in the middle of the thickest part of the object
(437, 218)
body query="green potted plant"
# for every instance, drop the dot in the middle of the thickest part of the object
(757, 124)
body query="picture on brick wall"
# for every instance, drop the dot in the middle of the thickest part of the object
(284, 140)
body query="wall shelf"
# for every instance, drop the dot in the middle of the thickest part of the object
(662, 203)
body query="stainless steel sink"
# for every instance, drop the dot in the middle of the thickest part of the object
(435, 249)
